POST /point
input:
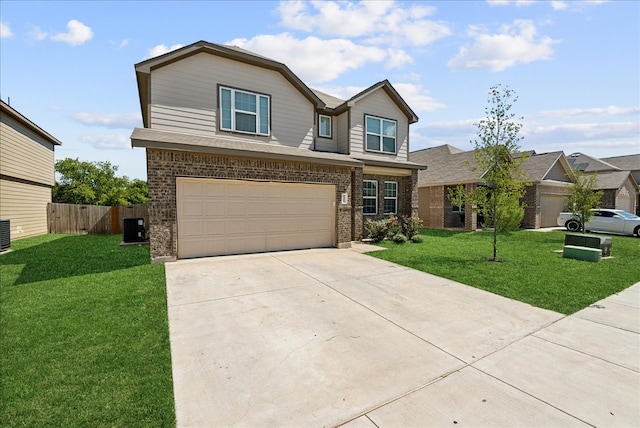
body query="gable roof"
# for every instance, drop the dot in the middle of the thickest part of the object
(392, 93)
(537, 166)
(589, 163)
(614, 179)
(144, 68)
(447, 165)
(15, 114)
(628, 162)
(339, 106)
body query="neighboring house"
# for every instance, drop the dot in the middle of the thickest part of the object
(549, 175)
(619, 184)
(628, 163)
(27, 173)
(243, 157)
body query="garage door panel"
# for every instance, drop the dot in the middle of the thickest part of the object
(550, 206)
(213, 208)
(192, 228)
(233, 217)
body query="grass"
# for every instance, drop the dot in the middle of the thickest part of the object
(531, 271)
(84, 335)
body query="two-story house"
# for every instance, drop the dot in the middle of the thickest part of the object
(243, 157)
(27, 173)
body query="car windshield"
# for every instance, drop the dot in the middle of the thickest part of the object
(626, 214)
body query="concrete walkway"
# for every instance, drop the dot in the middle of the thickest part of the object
(332, 337)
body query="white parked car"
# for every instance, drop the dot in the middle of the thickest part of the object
(604, 220)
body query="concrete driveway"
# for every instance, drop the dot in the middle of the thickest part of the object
(333, 337)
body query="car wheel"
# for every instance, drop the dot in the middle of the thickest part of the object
(572, 225)
(636, 231)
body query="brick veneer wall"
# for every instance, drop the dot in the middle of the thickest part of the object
(531, 218)
(407, 194)
(163, 166)
(608, 199)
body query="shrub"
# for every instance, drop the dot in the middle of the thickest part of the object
(377, 230)
(399, 238)
(416, 239)
(411, 225)
(398, 229)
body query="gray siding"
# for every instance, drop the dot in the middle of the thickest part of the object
(25, 154)
(25, 205)
(184, 98)
(326, 144)
(557, 173)
(342, 132)
(379, 104)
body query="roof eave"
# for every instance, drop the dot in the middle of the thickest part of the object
(10, 111)
(145, 67)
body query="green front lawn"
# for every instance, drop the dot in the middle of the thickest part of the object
(83, 335)
(530, 271)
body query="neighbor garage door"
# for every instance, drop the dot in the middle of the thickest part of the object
(217, 217)
(550, 206)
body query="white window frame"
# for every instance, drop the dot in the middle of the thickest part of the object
(389, 198)
(457, 209)
(258, 114)
(380, 135)
(375, 197)
(320, 134)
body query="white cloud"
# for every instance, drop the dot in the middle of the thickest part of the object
(35, 34)
(5, 31)
(77, 34)
(313, 59)
(515, 44)
(379, 21)
(593, 131)
(576, 5)
(417, 97)
(596, 111)
(112, 120)
(397, 58)
(162, 49)
(510, 2)
(107, 141)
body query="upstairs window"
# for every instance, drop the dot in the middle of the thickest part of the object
(369, 197)
(242, 111)
(324, 126)
(390, 197)
(380, 135)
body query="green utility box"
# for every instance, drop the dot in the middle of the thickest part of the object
(582, 253)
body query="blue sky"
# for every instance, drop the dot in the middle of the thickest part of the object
(575, 66)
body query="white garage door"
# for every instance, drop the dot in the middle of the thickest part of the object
(217, 217)
(550, 206)
(624, 201)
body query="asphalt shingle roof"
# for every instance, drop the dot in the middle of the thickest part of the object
(448, 165)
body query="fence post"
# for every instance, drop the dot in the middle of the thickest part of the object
(115, 220)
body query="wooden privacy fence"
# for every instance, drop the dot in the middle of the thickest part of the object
(95, 219)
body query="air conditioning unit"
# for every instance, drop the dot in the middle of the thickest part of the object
(133, 230)
(5, 235)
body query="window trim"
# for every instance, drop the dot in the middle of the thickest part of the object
(381, 134)
(320, 117)
(257, 113)
(394, 198)
(375, 197)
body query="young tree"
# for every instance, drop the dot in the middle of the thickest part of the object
(498, 165)
(95, 183)
(583, 197)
